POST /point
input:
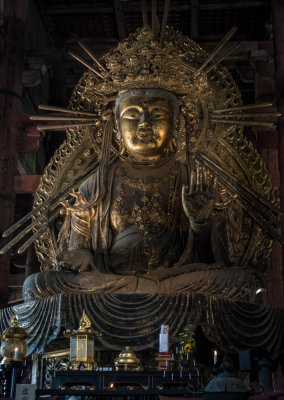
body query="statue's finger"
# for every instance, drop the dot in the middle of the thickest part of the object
(185, 191)
(92, 265)
(204, 179)
(74, 194)
(201, 178)
(82, 268)
(214, 186)
(208, 180)
(193, 180)
(198, 178)
(80, 197)
(77, 264)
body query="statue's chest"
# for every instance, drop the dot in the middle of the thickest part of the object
(145, 202)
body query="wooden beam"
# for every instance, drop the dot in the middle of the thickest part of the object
(135, 6)
(28, 144)
(234, 5)
(54, 56)
(26, 184)
(11, 67)
(16, 297)
(120, 22)
(16, 280)
(78, 9)
(31, 77)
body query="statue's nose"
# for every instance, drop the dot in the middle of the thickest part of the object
(145, 119)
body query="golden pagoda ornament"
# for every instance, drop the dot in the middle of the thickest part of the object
(82, 345)
(127, 361)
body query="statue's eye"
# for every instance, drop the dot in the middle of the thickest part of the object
(159, 113)
(132, 113)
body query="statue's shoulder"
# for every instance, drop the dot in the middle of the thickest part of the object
(90, 185)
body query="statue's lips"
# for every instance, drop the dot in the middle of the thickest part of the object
(146, 135)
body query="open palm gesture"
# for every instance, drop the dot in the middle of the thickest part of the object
(199, 200)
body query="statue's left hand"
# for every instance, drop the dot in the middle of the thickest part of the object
(78, 260)
(199, 200)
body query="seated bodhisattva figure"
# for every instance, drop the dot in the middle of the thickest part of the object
(162, 212)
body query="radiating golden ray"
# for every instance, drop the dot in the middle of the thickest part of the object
(246, 107)
(210, 57)
(252, 199)
(60, 126)
(51, 202)
(165, 20)
(65, 110)
(244, 123)
(154, 19)
(26, 230)
(240, 187)
(225, 55)
(189, 67)
(245, 115)
(38, 233)
(91, 54)
(59, 118)
(82, 61)
(144, 12)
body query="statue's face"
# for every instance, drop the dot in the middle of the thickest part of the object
(146, 126)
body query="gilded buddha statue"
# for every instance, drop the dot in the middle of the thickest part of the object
(169, 200)
(148, 233)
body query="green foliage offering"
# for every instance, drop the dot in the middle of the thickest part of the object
(186, 341)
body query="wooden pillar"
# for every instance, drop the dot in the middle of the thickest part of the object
(11, 68)
(278, 33)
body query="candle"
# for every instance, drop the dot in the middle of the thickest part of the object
(16, 354)
(12, 389)
(215, 357)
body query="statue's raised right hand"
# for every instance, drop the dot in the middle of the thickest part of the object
(199, 199)
(78, 260)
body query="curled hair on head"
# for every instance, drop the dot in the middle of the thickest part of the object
(145, 92)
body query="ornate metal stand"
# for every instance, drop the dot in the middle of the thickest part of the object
(11, 374)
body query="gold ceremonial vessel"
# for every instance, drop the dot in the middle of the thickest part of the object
(14, 346)
(127, 361)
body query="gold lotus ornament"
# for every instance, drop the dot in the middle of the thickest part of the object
(127, 361)
(14, 346)
(82, 345)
